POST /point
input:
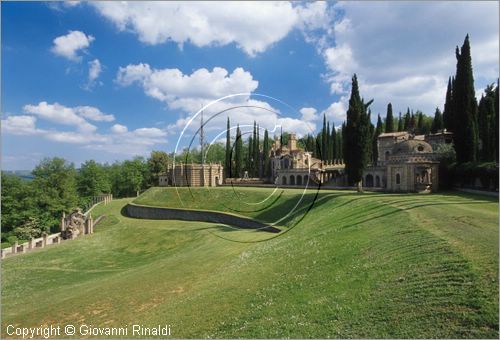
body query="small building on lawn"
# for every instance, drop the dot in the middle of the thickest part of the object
(192, 175)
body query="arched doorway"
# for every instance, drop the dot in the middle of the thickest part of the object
(398, 179)
(306, 179)
(283, 180)
(299, 180)
(377, 181)
(369, 181)
(292, 180)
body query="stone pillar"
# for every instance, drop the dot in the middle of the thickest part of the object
(14, 247)
(57, 239)
(3, 253)
(44, 241)
(31, 243)
(63, 222)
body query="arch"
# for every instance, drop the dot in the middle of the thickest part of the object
(292, 180)
(398, 179)
(387, 154)
(283, 180)
(369, 181)
(377, 181)
(299, 180)
(286, 163)
(306, 179)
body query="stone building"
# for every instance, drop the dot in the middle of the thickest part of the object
(292, 165)
(193, 175)
(405, 163)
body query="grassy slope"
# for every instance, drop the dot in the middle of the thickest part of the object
(367, 265)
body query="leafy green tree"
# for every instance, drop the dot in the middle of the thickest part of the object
(92, 180)
(437, 123)
(389, 119)
(19, 201)
(56, 186)
(357, 138)
(133, 175)
(465, 107)
(157, 164)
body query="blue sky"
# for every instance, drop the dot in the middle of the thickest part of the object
(110, 80)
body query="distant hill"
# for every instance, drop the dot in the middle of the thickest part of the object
(24, 174)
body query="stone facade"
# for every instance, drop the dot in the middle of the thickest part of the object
(293, 166)
(405, 163)
(193, 175)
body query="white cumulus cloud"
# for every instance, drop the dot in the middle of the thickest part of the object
(69, 45)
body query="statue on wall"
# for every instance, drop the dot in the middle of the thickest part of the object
(73, 224)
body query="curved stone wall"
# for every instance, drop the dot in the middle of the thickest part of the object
(158, 213)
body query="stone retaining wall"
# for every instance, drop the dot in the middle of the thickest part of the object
(157, 213)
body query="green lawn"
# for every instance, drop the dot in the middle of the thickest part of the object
(369, 265)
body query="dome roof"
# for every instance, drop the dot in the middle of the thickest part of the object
(411, 146)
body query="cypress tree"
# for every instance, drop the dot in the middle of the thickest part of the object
(389, 119)
(328, 142)
(407, 120)
(486, 124)
(357, 138)
(448, 119)
(238, 151)
(249, 159)
(420, 122)
(265, 156)
(437, 123)
(333, 139)
(324, 140)
(340, 142)
(378, 131)
(465, 107)
(496, 123)
(400, 123)
(229, 151)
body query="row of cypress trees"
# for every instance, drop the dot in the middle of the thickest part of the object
(475, 127)
(252, 157)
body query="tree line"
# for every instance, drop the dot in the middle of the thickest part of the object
(475, 126)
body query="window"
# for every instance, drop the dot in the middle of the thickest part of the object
(420, 148)
(398, 179)
(387, 153)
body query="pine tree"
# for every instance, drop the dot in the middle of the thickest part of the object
(465, 107)
(378, 131)
(229, 151)
(238, 153)
(357, 138)
(265, 156)
(400, 123)
(389, 119)
(448, 118)
(437, 123)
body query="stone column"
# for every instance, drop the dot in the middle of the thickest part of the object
(44, 241)
(63, 222)
(31, 243)
(3, 253)
(14, 247)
